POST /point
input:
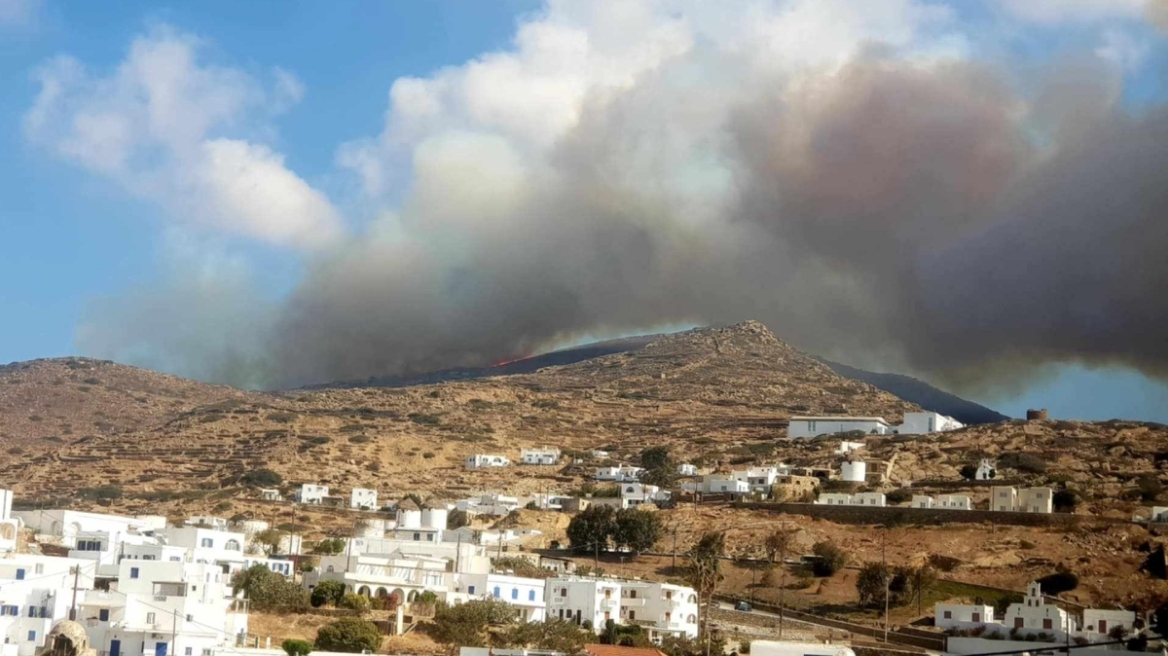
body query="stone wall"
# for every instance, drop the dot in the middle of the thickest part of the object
(908, 515)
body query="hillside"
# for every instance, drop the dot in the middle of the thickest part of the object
(727, 386)
(923, 394)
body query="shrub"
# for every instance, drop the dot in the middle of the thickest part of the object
(1059, 582)
(296, 647)
(349, 634)
(944, 563)
(327, 593)
(969, 472)
(1023, 462)
(355, 602)
(262, 478)
(1149, 487)
(899, 495)
(1065, 501)
(829, 559)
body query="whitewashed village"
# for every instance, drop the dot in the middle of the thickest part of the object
(149, 586)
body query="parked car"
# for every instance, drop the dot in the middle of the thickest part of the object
(742, 606)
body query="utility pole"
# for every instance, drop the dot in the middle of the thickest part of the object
(884, 573)
(675, 547)
(73, 607)
(783, 576)
(174, 634)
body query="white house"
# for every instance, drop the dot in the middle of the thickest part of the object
(831, 425)
(1097, 623)
(620, 474)
(922, 501)
(985, 470)
(310, 493)
(1032, 500)
(285, 568)
(217, 523)
(525, 594)
(68, 524)
(846, 447)
(420, 524)
(660, 609)
(363, 498)
(834, 499)
(954, 502)
(871, 499)
(761, 479)
(687, 469)
(544, 456)
(921, 423)
(960, 616)
(163, 608)
(208, 546)
(591, 601)
(718, 484)
(635, 494)
(484, 460)
(36, 593)
(1159, 515)
(271, 494)
(1034, 615)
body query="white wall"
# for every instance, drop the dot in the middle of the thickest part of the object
(800, 427)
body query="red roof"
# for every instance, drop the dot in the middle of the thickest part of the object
(617, 650)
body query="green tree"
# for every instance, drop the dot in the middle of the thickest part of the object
(270, 538)
(679, 645)
(655, 457)
(872, 583)
(1059, 582)
(457, 519)
(591, 529)
(969, 472)
(829, 559)
(262, 478)
(778, 543)
(329, 546)
(466, 624)
(636, 530)
(296, 647)
(355, 602)
(268, 591)
(660, 469)
(705, 570)
(553, 634)
(1065, 501)
(349, 634)
(327, 593)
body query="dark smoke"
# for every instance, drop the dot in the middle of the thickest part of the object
(919, 217)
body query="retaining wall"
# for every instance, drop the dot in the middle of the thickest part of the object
(907, 515)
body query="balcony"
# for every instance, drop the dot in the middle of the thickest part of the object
(610, 603)
(629, 602)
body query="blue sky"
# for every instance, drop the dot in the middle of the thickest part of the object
(79, 232)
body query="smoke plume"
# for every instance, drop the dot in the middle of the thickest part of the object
(848, 173)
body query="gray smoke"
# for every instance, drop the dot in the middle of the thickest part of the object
(917, 216)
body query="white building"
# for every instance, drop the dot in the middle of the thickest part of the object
(718, 484)
(1097, 623)
(208, 546)
(420, 524)
(985, 471)
(921, 423)
(635, 494)
(620, 474)
(1034, 615)
(954, 502)
(498, 505)
(217, 523)
(761, 479)
(483, 460)
(660, 609)
(854, 471)
(960, 616)
(68, 524)
(1011, 499)
(687, 469)
(163, 608)
(526, 595)
(846, 447)
(311, 493)
(870, 499)
(1159, 515)
(831, 425)
(252, 527)
(544, 456)
(363, 498)
(36, 592)
(923, 502)
(591, 601)
(271, 494)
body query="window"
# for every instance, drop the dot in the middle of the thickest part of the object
(133, 572)
(103, 615)
(417, 537)
(531, 595)
(1018, 623)
(39, 568)
(1047, 624)
(20, 575)
(948, 614)
(175, 559)
(1103, 626)
(563, 592)
(32, 611)
(190, 618)
(189, 651)
(32, 636)
(496, 592)
(977, 617)
(206, 652)
(232, 545)
(470, 589)
(667, 616)
(150, 618)
(206, 543)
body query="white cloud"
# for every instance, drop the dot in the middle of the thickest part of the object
(1057, 11)
(1122, 49)
(173, 129)
(18, 13)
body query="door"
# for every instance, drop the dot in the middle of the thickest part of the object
(1018, 622)
(115, 648)
(160, 649)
